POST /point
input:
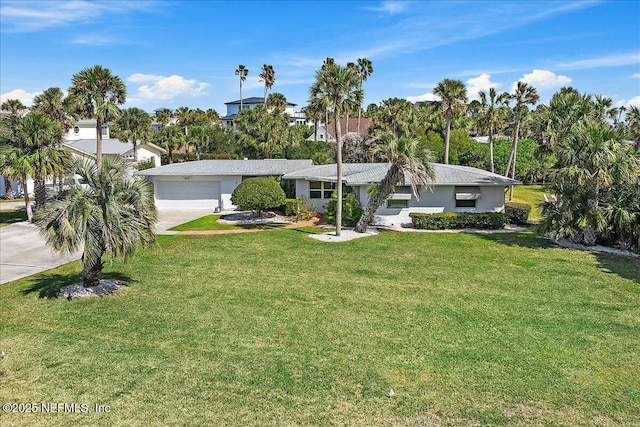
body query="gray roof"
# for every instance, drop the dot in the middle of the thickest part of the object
(109, 146)
(254, 100)
(269, 167)
(370, 173)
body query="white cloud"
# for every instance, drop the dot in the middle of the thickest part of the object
(21, 95)
(543, 79)
(636, 76)
(633, 101)
(482, 82)
(166, 88)
(390, 7)
(422, 98)
(602, 62)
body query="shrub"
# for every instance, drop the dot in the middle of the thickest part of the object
(257, 194)
(459, 220)
(351, 209)
(145, 164)
(298, 208)
(517, 213)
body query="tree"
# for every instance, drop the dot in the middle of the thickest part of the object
(96, 93)
(633, 125)
(132, 126)
(523, 95)
(263, 131)
(453, 98)
(491, 116)
(257, 194)
(337, 88)
(115, 215)
(15, 109)
(170, 138)
(394, 116)
(242, 72)
(268, 76)
(53, 104)
(365, 69)
(276, 100)
(406, 158)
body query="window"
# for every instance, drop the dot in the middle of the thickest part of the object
(466, 197)
(397, 203)
(105, 131)
(76, 130)
(321, 190)
(465, 203)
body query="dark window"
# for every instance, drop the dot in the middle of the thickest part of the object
(465, 203)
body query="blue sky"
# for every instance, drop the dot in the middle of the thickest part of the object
(184, 53)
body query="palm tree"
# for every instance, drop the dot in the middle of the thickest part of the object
(337, 88)
(407, 159)
(114, 215)
(132, 126)
(170, 138)
(633, 125)
(53, 103)
(491, 115)
(365, 69)
(96, 93)
(268, 76)
(277, 101)
(453, 99)
(523, 95)
(15, 109)
(243, 72)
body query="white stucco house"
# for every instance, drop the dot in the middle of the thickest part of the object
(233, 108)
(208, 184)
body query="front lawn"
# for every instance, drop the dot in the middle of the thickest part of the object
(533, 195)
(277, 328)
(10, 217)
(210, 223)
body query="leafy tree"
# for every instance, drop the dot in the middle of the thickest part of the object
(96, 93)
(407, 158)
(132, 126)
(453, 98)
(276, 100)
(10, 125)
(114, 215)
(397, 117)
(337, 88)
(242, 72)
(170, 138)
(258, 194)
(491, 116)
(56, 106)
(268, 76)
(633, 125)
(523, 95)
(263, 131)
(365, 69)
(352, 210)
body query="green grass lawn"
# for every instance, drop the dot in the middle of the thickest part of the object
(9, 217)
(532, 195)
(279, 329)
(210, 222)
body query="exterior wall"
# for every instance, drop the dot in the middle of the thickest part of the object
(145, 154)
(85, 131)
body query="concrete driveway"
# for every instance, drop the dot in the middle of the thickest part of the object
(23, 251)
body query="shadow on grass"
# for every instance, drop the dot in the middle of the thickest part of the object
(625, 267)
(525, 239)
(10, 217)
(49, 285)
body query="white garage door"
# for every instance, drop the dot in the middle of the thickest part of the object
(187, 194)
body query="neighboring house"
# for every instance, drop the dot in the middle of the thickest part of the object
(347, 128)
(233, 108)
(208, 184)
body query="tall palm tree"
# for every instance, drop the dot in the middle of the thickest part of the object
(491, 115)
(96, 93)
(277, 101)
(632, 122)
(365, 69)
(268, 76)
(132, 126)
(453, 99)
(56, 106)
(15, 108)
(170, 138)
(523, 95)
(242, 72)
(407, 158)
(114, 215)
(337, 88)
(184, 116)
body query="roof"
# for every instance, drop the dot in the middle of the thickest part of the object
(254, 100)
(109, 146)
(353, 126)
(371, 173)
(268, 167)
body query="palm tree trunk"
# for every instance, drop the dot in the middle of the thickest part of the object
(514, 151)
(91, 269)
(99, 144)
(446, 142)
(382, 193)
(8, 190)
(135, 151)
(491, 150)
(338, 175)
(240, 94)
(27, 202)
(40, 192)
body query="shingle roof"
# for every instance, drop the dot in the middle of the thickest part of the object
(109, 146)
(254, 100)
(369, 173)
(275, 167)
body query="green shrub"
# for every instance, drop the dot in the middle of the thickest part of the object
(351, 209)
(517, 213)
(459, 220)
(298, 208)
(257, 194)
(145, 164)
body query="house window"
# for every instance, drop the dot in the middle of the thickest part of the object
(321, 190)
(397, 203)
(104, 131)
(466, 197)
(76, 130)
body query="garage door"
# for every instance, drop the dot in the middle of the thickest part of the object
(187, 194)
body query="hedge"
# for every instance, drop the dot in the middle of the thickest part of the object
(459, 220)
(517, 213)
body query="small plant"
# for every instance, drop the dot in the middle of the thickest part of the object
(351, 209)
(517, 213)
(257, 194)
